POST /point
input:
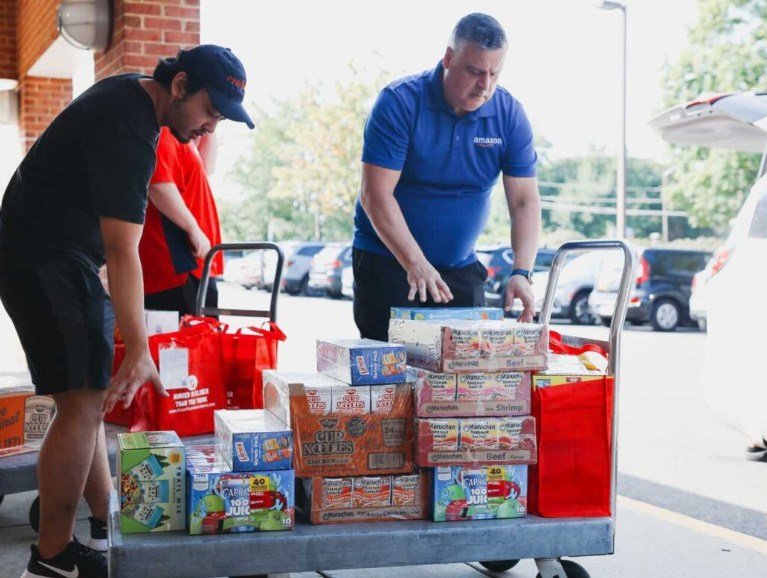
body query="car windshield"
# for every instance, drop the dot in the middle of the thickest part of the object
(309, 250)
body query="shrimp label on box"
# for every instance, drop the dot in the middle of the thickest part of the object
(497, 342)
(351, 400)
(475, 386)
(479, 434)
(319, 400)
(371, 491)
(336, 493)
(405, 490)
(444, 433)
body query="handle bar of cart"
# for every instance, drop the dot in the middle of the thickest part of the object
(271, 313)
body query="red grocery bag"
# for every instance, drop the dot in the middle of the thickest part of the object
(573, 423)
(189, 409)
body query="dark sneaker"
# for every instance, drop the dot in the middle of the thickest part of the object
(76, 561)
(98, 539)
(757, 453)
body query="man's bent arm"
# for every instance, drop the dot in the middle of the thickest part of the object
(167, 198)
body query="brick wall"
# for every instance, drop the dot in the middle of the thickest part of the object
(145, 30)
(36, 31)
(41, 100)
(8, 39)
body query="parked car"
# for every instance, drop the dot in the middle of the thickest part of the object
(699, 296)
(347, 282)
(575, 283)
(498, 261)
(661, 293)
(327, 267)
(295, 277)
(247, 271)
(735, 310)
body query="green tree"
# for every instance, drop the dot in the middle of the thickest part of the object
(727, 52)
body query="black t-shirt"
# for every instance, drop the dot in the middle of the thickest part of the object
(94, 160)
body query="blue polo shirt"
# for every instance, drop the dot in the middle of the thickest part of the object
(449, 164)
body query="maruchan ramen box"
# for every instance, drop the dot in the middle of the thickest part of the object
(498, 394)
(470, 441)
(366, 430)
(252, 439)
(472, 346)
(361, 361)
(431, 313)
(365, 499)
(564, 369)
(478, 492)
(151, 482)
(221, 501)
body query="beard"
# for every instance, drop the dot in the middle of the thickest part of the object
(178, 121)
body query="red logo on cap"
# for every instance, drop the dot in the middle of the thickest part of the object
(238, 82)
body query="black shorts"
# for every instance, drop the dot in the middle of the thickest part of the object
(380, 283)
(182, 298)
(64, 320)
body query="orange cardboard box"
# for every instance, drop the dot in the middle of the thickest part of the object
(12, 419)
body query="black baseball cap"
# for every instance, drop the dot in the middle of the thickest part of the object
(219, 71)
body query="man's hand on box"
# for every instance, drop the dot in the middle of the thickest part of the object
(425, 280)
(520, 288)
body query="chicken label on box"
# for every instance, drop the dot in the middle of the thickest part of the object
(361, 361)
(479, 492)
(472, 346)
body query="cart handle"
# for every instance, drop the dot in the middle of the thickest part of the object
(271, 313)
(621, 303)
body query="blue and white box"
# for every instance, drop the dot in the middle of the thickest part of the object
(252, 439)
(362, 361)
(440, 313)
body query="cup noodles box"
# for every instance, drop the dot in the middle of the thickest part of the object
(252, 439)
(24, 418)
(361, 361)
(472, 346)
(564, 369)
(365, 499)
(152, 482)
(431, 313)
(220, 501)
(471, 394)
(366, 431)
(470, 441)
(478, 492)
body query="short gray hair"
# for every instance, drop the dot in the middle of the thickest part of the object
(480, 29)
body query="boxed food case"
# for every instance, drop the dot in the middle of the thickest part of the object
(340, 430)
(478, 492)
(365, 499)
(431, 313)
(472, 346)
(361, 361)
(253, 439)
(24, 417)
(498, 394)
(222, 501)
(151, 482)
(565, 369)
(479, 440)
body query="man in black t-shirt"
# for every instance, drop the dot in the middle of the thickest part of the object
(76, 201)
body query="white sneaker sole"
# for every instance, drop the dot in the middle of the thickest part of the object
(28, 574)
(98, 545)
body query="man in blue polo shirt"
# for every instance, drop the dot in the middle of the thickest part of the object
(435, 144)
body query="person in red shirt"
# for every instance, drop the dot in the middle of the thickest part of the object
(181, 225)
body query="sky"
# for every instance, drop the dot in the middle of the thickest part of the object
(563, 62)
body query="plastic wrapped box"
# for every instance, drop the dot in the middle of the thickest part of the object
(432, 313)
(478, 493)
(252, 439)
(337, 433)
(361, 361)
(472, 346)
(470, 441)
(498, 394)
(365, 499)
(564, 369)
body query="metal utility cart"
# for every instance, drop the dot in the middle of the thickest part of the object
(369, 545)
(18, 473)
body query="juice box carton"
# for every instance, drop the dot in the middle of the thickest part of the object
(151, 482)
(252, 439)
(431, 313)
(471, 394)
(361, 361)
(221, 501)
(483, 441)
(565, 369)
(478, 492)
(365, 499)
(338, 443)
(472, 346)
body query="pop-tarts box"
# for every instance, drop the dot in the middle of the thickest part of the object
(362, 361)
(428, 313)
(252, 439)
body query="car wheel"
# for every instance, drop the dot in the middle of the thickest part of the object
(304, 286)
(665, 315)
(580, 312)
(606, 321)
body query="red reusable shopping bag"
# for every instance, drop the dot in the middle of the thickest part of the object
(573, 424)
(189, 409)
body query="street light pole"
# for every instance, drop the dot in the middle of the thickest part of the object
(620, 221)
